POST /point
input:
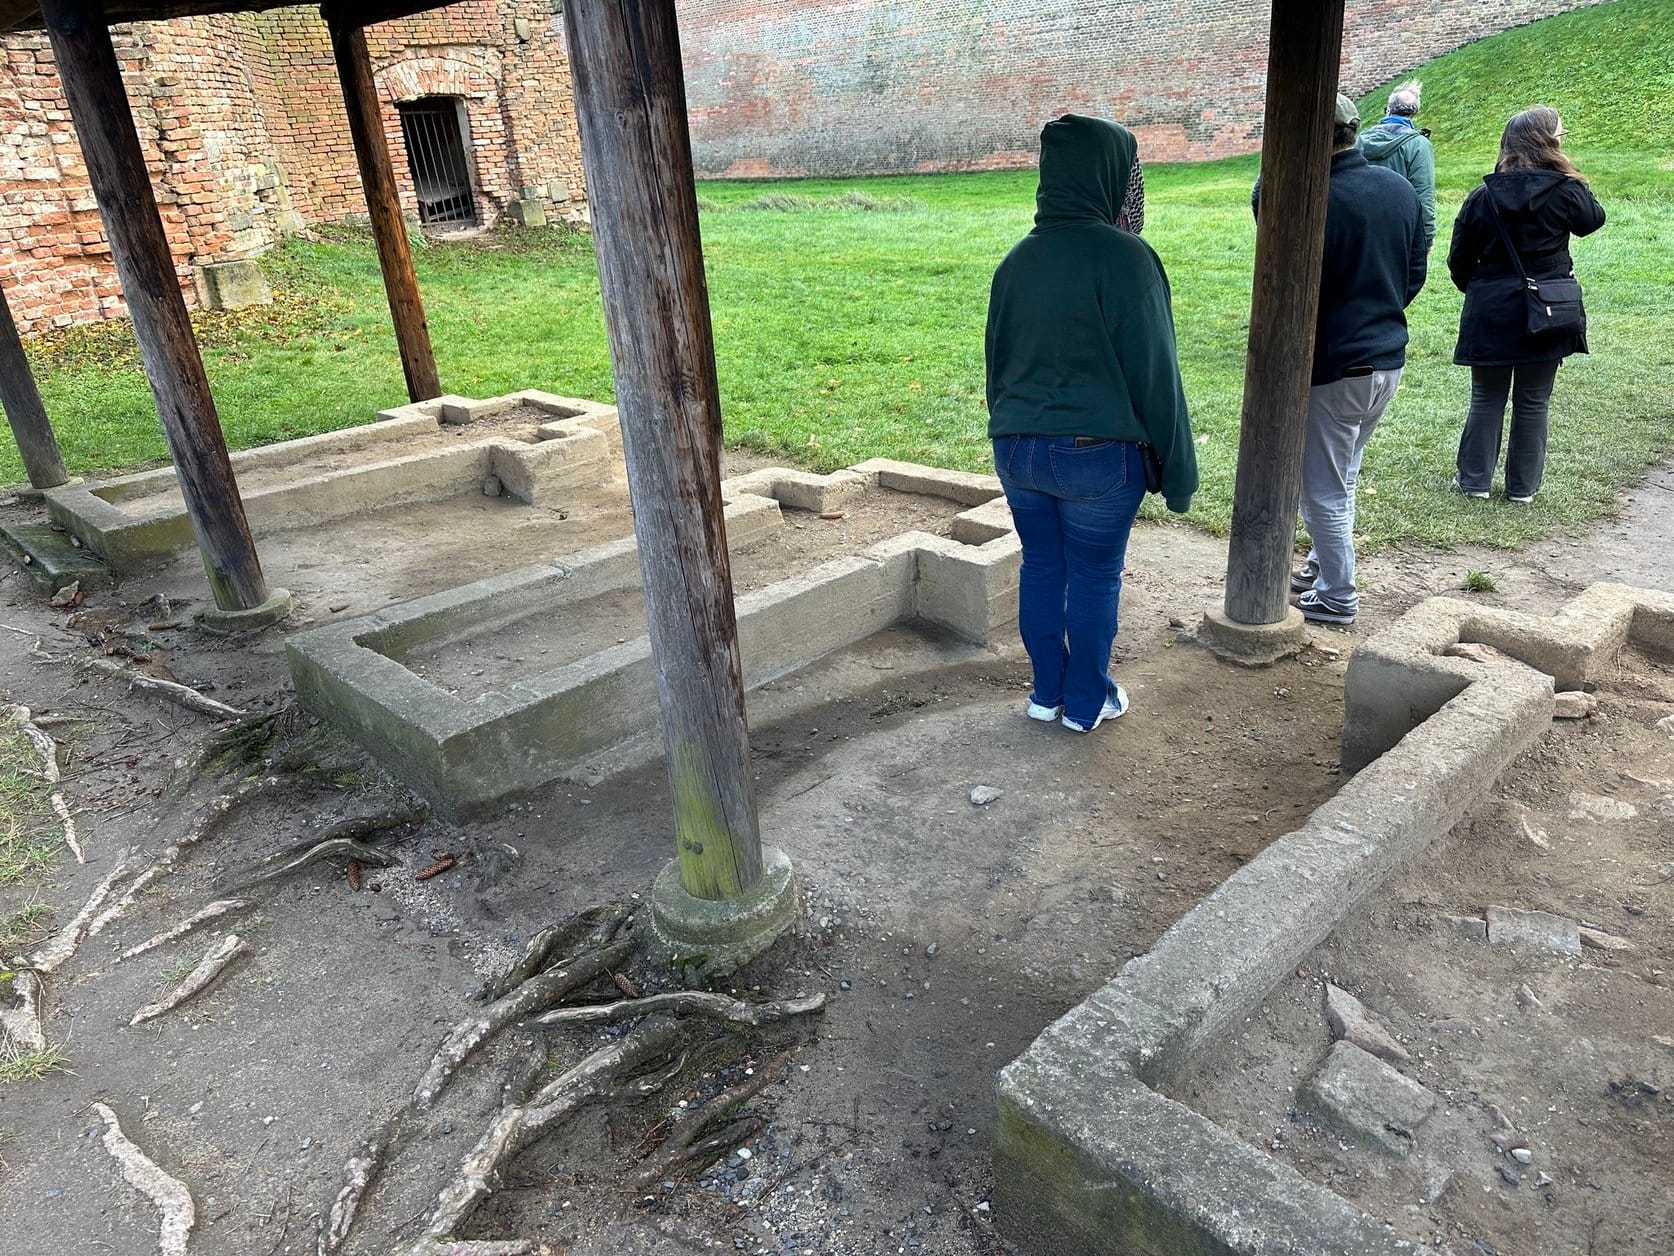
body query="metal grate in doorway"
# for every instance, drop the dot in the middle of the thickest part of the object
(433, 130)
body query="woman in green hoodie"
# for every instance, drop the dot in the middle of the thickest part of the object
(1083, 390)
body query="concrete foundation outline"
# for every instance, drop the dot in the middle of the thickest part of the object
(468, 753)
(1088, 1156)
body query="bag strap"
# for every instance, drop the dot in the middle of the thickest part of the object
(1505, 236)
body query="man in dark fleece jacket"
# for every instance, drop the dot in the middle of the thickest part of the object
(1374, 266)
(1083, 388)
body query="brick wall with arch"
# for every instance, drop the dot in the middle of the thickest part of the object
(243, 126)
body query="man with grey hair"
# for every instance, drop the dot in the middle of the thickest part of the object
(1397, 144)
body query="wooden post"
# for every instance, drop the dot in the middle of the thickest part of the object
(631, 103)
(1302, 60)
(383, 205)
(122, 186)
(24, 411)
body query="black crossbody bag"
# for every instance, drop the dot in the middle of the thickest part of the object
(1550, 305)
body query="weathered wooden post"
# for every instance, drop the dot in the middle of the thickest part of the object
(724, 899)
(116, 168)
(383, 205)
(1305, 45)
(24, 411)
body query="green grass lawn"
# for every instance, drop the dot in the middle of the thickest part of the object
(845, 332)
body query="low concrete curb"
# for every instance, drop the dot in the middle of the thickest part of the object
(468, 753)
(1084, 1150)
(574, 448)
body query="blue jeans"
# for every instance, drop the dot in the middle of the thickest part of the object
(1073, 509)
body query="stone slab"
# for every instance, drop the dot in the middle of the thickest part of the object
(1364, 1099)
(51, 562)
(1534, 930)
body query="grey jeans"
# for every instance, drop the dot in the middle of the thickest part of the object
(1530, 388)
(1341, 417)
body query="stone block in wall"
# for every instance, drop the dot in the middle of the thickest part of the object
(527, 213)
(558, 190)
(231, 285)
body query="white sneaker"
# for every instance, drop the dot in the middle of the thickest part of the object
(1044, 714)
(1478, 494)
(1115, 707)
(1522, 501)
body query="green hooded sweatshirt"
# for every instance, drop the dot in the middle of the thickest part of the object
(1080, 327)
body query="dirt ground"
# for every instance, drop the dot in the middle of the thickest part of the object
(1577, 1053)
(946, 935)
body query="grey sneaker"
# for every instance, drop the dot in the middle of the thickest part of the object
(1302, 579)
(1480, 496)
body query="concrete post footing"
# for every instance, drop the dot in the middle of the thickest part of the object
(253, 619)
(706, 938)
(1252, 645)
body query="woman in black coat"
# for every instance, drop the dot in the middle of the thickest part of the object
(1542, 199)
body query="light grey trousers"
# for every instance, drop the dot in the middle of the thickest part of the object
(1341, 418)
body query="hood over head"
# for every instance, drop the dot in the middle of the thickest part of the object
(1084, 169)
(1522, 190)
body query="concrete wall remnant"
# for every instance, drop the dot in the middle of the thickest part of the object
(1088, 1157)
(468, 753)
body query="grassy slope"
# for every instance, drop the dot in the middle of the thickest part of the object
(845, 334)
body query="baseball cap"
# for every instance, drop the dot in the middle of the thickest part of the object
(1347, 111)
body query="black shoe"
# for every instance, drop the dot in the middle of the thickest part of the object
(1317, 610)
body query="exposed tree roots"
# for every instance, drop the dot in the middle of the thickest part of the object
(213, 911)
(315, 851)
(689, 1143)
(685, 1003)
(167, 1193)
(61, 945)
(540, 991)
(175, 692)
(558, 939)
(206, 974)
(47, 748)
(22, 1021)
(604, 1075)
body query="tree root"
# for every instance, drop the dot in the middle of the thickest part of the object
(168, 1194)
(329, 848)
(22, 1023)
(685, 1003)
(483, 1247)
(686, 1143)
(361, 1173)
(208, 971)
(220, 907)
(217, 810)
(177, 693)
(539, 991)
(47, 748)
(555, 939)
(601, 1076)
(58, 948)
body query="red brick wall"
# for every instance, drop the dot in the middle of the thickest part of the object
(242, 121)
(832, 87)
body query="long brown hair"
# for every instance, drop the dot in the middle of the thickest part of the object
(1531, 142)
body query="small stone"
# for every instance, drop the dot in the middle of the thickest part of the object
(1543, 1180)
(1477, 652)
(1667, 1044)
(1666, 724)
(491, 486)
(1522, 1155)
(1526, 999)
(744, 1153)
(1599, 940)
(1536, 837)
(1541, 930)
(930, 951)
(982, 795)
(337, 607)
(1574, 704)
(1364, 1099)
(1507, 1176)
(1473, 927)
(66, 596)
(834, 514)
(1585, 806)
(1352, 1021)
